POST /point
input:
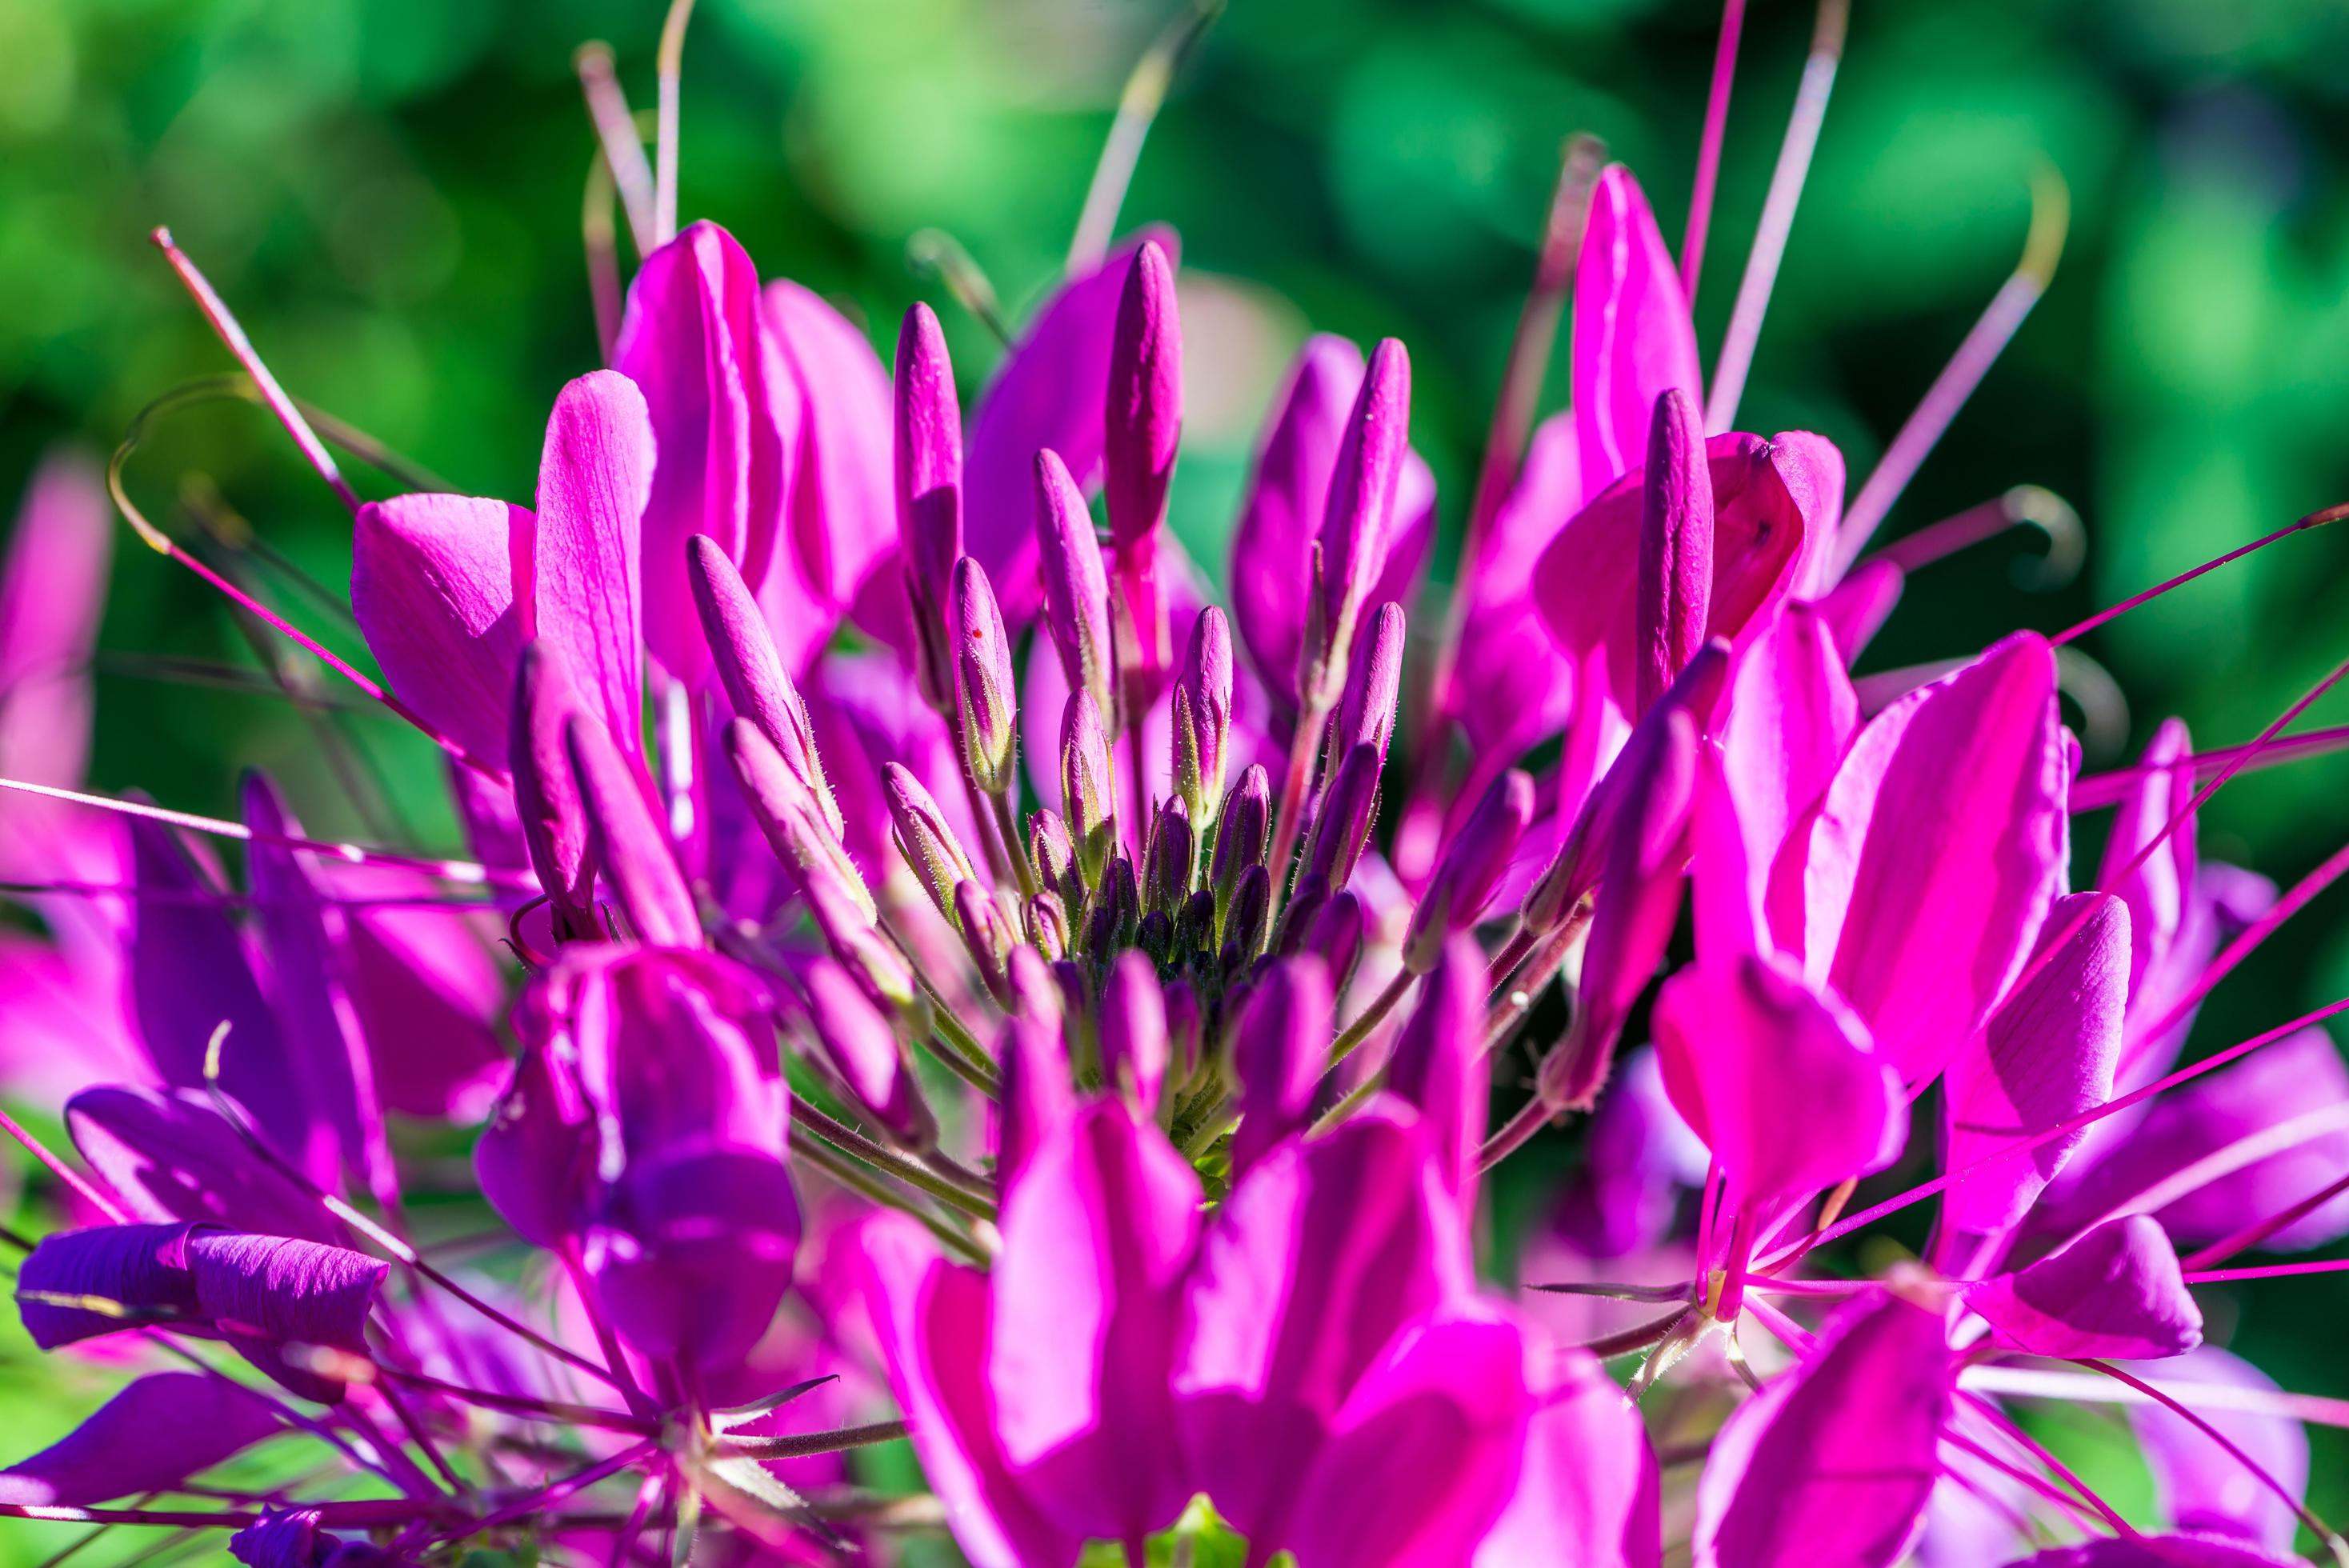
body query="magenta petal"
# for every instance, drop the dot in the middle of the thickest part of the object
(1587, 1475)
(1626, 1198)
(2159, 1552)
(841, 521)
(1940, 842)
(1048, 394)
(594, 476)
(693, 1253)
(626, 840)
(1279, 1047)
(1512, 686)
(1324, 1252)
(52, 593)
(156, 1433)
(2046, 1056)
(1634, 339)
(2198, 1484)
(1779, 1082)
(188, 975)
(933, 1319)
(441, 585)
(1039, 1097)
(693, 342)
(535, 1161)
(673, 1049)
(167, 1155)
(429, 998)
(2116, 1292)
(1833, 1460)
(1438, 1062)
(1098, 1232)
(1420, 1461)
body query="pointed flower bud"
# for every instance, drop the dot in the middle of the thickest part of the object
(870, 958)
(1054, 857)
(1438, 1060)
(1076, 586)
(1353, 539)
(546, 797)
(786, 814)
(1244, 916)
(1366, 711)
(1471, 869)
(1195, 924)
(1087, 797)
(1336, 937)
(752, 671)
(1133, 1045)
(1279, 1047)
(1342, 825)
(1203, 718)
(627, 843)
(1036, 989)
(929, 492)
(1116, 914)
(1242, 828)
(989, 936)
(983, 681)
(862, 1049)
(924, 839)
(1142, 428)
(1039, 1094)
(1166, 862)
(1182, 1028)
(1297, 918)
(1675, 545)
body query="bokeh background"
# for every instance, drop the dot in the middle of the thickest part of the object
(390, 192)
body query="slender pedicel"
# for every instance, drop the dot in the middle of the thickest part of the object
(1802, 139)
(2024, 506)
(1137, 107)
(671, 66)
(622, 144)
(601, 243)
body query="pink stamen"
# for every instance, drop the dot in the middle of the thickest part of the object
(624, 147)
(1708, 158)
(2260, 1472)
(232, 900)
(2035, 1383)
(1925, 1189)
(2267, 1271)
(352, 854)
(1802, 139)
(2050, 215)
(2228, 1158)
(2006, 1428)
(2250, 1236)
(2101, 789)
(2067, 540)
(2314, 520)
(1137, 109)
(216, 312)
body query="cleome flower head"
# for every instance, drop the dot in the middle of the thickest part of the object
(960, 973)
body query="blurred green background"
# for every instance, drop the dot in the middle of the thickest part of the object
(389, 193)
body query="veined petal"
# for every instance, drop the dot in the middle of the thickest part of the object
(594, 478)
(167, 1155)
(1633, 335)
(841, 521)
(442, 587)
(1586, 1474)
(2116, 1292)
(156, 1433)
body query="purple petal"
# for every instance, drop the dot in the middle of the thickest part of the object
(934, 1322)
(429, 999)
(153, 1436)
(673, 1048)
(693, 342)
(435, 581)
(693, 1253)
(1098, 1231)
(1779, 1082)
(536, 1158)
(1633, 340)
(1322, 1255)
(1940, 842)
(594, 478)
(1587, 1475)
(79, 1284)
(266, 1294)
(2116, 1292)
(1048, 393)
(2046, 1056)
(2198, 1484)
(1418, 1465)
(1833, 1460)
(840, 519)
(167, 1155)
(2159, 1551)
(1438, 1062)
(1512, 687)
(1038, 1096)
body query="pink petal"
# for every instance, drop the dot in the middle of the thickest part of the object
(1632, 334)
(841, 521)
(435, 581)
(52, 593)
(2198, 1484)
(593, 480)
(2116, 1293)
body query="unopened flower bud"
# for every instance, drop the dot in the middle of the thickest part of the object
(1167, 860)
(786, 815)
(1279, 1047)
(1116, 914)
(1366, 711)
(752, 671)
(1088, 799)
(546, 797)
(1054, 857)
(1297, 918)
(987, 935)
(1142, 428)
(1133, 1045)
(924, 839)
(1203, 718)
(1438, 1062)
(1351, 547)
(1336, 937)
(1471, 869)
(983, 681)
(626, 842)
(928, 462)
(1195, 924)
(1036, 988)
(1244, 916)
(1182, 1028)
(1242, 826)
(1048, 925)
(1076, 586)
(863, 1052)
(1341, 825)
(870, 958)
(1675, 546)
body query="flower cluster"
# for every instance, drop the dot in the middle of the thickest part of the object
(1051, 1061)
